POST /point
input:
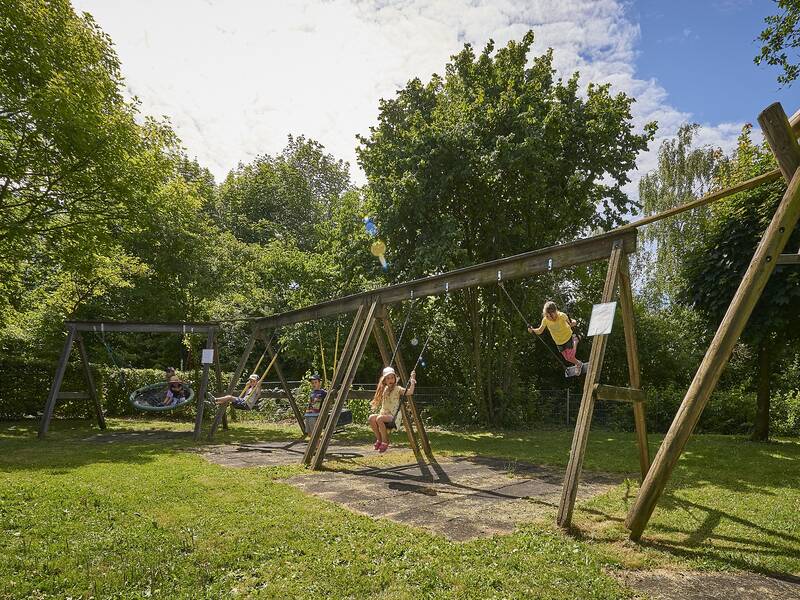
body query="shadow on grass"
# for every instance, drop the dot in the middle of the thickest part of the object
(73, 444)
(703, 543)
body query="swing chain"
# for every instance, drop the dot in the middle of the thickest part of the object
(514, 304)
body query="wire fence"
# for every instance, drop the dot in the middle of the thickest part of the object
(552, 408)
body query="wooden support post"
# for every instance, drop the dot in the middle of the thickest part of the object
(581, 436)
(201, 397)
(55, 388)
(87, 373)
(287, 390)
(221, 410)
(386, 357)
(347, 381)
(421, 434)
(634, 373)
(789, 259)
(218, 388)
(347, 352)
(787, 152)
(782, 141)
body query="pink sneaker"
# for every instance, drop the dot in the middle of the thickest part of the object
(377, 445)
(383, 448)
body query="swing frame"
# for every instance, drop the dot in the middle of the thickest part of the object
(781, 134)
(370, 310)
(74, 338)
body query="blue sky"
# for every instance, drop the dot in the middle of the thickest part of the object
(701, 52)
(235, 78)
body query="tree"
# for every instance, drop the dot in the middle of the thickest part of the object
(492, 159)
(77, 173)
(71, 154)
(284, 196)
(714, 269)
(683, 174)
(780, 37)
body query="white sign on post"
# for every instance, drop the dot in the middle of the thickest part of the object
(208, 356)
(602, 319)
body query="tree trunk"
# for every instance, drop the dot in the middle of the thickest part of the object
(761, 424)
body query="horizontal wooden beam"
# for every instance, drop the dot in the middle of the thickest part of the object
(571, 254)
(789, 259)
(137, 327)
(769, 177)
(73, 395)
(618, 394)
(281, 395)
(749, 184)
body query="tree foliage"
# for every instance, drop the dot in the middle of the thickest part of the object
(493, 158)
(71, 155)
(494, 132)
(781, 40)
(683, 174)
(714, 268)
(283, 197)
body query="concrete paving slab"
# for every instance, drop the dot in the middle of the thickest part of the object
(461, 498)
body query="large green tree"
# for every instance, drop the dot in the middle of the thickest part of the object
(77, 172)
(495, 157)
(283, 197)
(714, 269)
(71, 154)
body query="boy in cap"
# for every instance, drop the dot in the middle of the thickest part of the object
(317, 396)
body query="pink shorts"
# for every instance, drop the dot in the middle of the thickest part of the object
(568, 349)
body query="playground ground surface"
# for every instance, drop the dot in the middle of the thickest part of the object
(143, 511)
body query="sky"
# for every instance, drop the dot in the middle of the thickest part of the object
(235, 78)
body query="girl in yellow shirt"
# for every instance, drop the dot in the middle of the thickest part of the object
(560, 327)
(387, 399)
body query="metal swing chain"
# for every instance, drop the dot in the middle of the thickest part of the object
(514, 304)
(402, 332)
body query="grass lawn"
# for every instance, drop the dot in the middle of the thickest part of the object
(147, 519)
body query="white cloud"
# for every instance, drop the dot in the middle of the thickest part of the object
(235, 78)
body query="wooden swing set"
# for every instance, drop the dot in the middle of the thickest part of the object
(615, 246)
(74, 337)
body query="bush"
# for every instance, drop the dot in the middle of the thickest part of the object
(360, 409)
(785, 413)
(25, 384)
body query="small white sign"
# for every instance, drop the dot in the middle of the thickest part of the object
(602, 319)
(208, 356)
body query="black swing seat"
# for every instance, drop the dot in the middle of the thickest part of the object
(345, 418)
(150, 398)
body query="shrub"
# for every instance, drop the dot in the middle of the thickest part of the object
(785, 413)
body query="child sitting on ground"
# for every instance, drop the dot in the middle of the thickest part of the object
(560, 327)
(387, 398)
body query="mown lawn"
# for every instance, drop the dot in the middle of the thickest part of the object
(148, 519)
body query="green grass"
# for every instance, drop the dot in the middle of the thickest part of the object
(148, 519)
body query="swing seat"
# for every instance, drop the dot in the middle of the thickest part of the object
(150, 397)
(345, 418)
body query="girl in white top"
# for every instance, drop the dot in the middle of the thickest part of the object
(387, 399)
